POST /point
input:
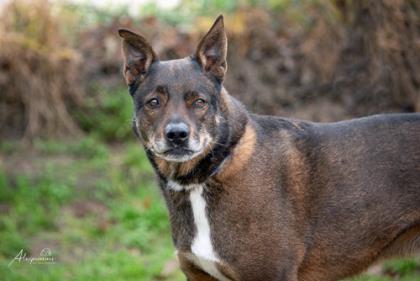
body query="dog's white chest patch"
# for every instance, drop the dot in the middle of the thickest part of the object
(177, 187)
(204, 255)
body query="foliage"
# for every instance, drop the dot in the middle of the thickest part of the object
(96, 207)
(107, 114)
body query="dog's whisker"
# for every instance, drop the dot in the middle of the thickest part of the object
(219, 143)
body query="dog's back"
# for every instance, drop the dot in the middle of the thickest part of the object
(360, 185)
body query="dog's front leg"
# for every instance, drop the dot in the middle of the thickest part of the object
(198, 276)
(192, 272)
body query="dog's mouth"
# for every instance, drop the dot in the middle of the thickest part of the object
(178, 154)
(181, 153)
(178, 151)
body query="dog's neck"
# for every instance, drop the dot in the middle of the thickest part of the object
(234, 129)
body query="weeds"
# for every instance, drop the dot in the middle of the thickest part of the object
(107, 114)
(104, 220)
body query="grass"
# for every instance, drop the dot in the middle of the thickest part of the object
(96, 207)
(106, 114)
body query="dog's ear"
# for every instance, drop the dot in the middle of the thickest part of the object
(212, 49)
(138, 56)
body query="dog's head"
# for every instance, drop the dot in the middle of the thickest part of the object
(176, 102)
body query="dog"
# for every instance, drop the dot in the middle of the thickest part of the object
(254, 197)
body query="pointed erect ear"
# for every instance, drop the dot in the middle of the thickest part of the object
(138, 56)
(212, 49)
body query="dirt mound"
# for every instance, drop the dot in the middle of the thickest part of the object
(39, 74)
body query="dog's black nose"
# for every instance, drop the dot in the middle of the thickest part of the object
(177, 133)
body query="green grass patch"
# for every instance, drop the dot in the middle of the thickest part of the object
(107, 114)
(97, 207)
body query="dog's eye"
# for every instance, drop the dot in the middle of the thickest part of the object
(153, 103)
(199, 103)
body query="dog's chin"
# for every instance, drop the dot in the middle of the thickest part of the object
(179, 154)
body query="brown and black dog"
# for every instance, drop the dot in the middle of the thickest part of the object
(254, 197)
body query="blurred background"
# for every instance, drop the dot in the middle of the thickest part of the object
(74, 180)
